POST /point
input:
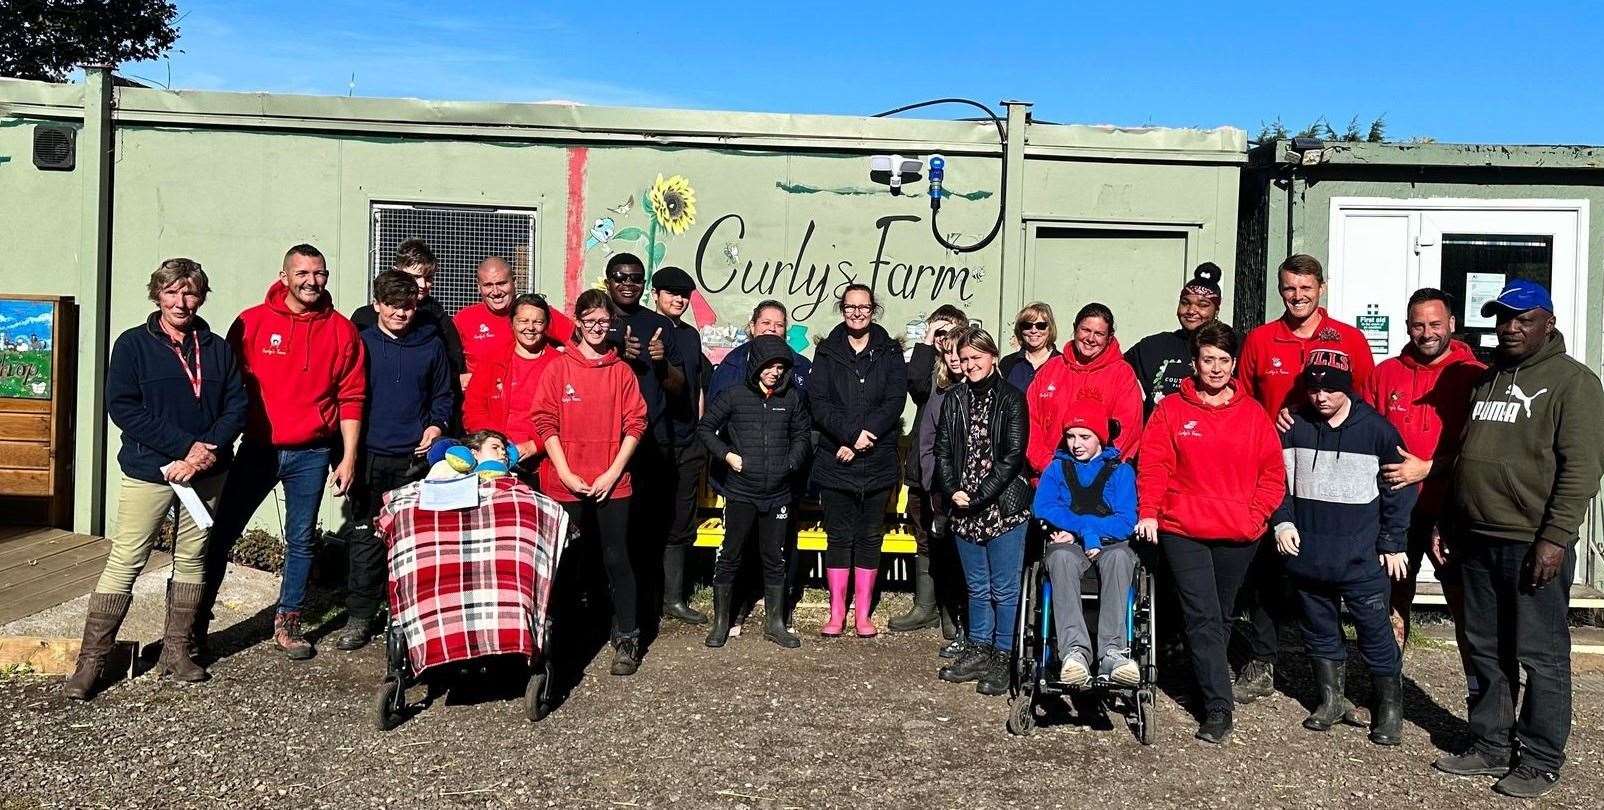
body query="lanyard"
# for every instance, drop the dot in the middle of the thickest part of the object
(193, 376)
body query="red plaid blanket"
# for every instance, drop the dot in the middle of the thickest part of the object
(471, 582)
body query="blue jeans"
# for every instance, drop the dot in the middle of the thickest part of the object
(256, 470)
(992, 570)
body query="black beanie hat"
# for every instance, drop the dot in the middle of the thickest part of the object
(1329, 370)
(1205, 281)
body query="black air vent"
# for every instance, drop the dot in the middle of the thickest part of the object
(55, 148)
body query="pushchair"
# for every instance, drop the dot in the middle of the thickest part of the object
(467, 584)
(1034, 673)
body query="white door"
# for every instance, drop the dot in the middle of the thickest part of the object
(1382, 250)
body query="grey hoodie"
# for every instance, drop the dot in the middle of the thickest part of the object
(1532, 453)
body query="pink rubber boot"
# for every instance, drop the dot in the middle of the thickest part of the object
(837, 579)
(862, 597)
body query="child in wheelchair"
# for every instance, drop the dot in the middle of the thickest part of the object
(1087, 503)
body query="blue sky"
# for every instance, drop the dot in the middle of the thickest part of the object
(1454, 71)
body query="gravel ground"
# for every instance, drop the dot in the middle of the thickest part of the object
(838, 722)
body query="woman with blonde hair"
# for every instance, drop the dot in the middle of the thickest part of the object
(1036, 333)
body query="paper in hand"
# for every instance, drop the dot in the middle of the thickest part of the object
(192, 502)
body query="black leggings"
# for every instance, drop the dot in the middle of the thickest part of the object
(854, 527)
(1207, 578)
(605, 527)
(771, 525)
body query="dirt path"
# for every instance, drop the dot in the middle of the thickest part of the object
(840, 722)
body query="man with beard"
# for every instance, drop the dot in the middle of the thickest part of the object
(647, 341)
(1164, 360)
(305, 375)
(1425, 393)
(1270, 369)
(1527, 470)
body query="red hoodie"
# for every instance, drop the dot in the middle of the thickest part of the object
(1272, 359)
(1065, 380)
(1428, 403)
(1210, 472)
(305, 373)
(504, 386)
(486, 336)
(590, 405)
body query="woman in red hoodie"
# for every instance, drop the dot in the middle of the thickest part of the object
(1091, 369)
(1210, 477)
(502, 391)
(589, 416)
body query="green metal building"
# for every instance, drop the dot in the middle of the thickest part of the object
(784, 207)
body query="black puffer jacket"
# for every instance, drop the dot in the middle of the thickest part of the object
(921, 383)
(1009, 431)
(850, 392)
(769, 432)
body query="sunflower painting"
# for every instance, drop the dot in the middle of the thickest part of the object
(670, 208)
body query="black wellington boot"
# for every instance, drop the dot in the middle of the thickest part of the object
(774, 618)
(720, 631)
(1386, 715)
(1335, 707)
(674, 588)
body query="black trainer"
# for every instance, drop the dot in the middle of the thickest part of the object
(1215, 727)
(1527, 782)
(356, 635)
(955, 648)
(1473, 762)
(995, 681)
(971, 667)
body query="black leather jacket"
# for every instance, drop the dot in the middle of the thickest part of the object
(1009, 432)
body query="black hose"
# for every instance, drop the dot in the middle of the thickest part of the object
(1002, 190)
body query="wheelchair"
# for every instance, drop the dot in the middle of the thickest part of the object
(1034, 671)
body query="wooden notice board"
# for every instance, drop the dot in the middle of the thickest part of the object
(38, 381)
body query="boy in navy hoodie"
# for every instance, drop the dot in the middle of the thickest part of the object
(1087, 499)
(409, 405)
(1343, 531)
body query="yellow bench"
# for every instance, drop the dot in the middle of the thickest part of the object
(898, 539)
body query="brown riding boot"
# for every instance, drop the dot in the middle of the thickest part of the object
(178, 642)
(106, 612)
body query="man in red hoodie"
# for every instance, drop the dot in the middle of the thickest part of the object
(304, 373)
(1091, 369)
(1425, 393)
(1269, 370)
(486, 327)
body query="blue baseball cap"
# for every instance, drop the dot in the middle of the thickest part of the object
(1518, 296)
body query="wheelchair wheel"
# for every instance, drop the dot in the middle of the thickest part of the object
(1146, 716)
(389, 703)
(537, 694)
(1027, 638)
(1022, 714)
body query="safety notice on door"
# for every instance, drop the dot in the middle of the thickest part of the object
(1377, 330)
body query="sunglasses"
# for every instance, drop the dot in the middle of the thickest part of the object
(628, 278)
(1040, 326)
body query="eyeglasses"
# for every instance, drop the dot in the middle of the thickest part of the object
(858, 308)
(628, 278)
(1039, 326)
(595, 324)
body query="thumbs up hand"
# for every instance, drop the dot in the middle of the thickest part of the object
(631, 344)
(655, 347)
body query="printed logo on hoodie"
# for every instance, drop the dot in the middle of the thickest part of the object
(275, 344)
(1190, 429)
(569, 394)
(1506, 411)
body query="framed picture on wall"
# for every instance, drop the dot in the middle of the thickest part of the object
(27, 344)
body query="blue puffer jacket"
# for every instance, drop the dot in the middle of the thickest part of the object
(1055, 503)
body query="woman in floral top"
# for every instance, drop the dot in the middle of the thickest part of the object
(980, 466)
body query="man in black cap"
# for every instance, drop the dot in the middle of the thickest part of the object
(682, 458)
(1529, 464)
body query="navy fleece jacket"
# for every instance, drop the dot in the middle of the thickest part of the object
(409, 388)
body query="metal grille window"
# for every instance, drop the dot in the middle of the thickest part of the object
(461, 236)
